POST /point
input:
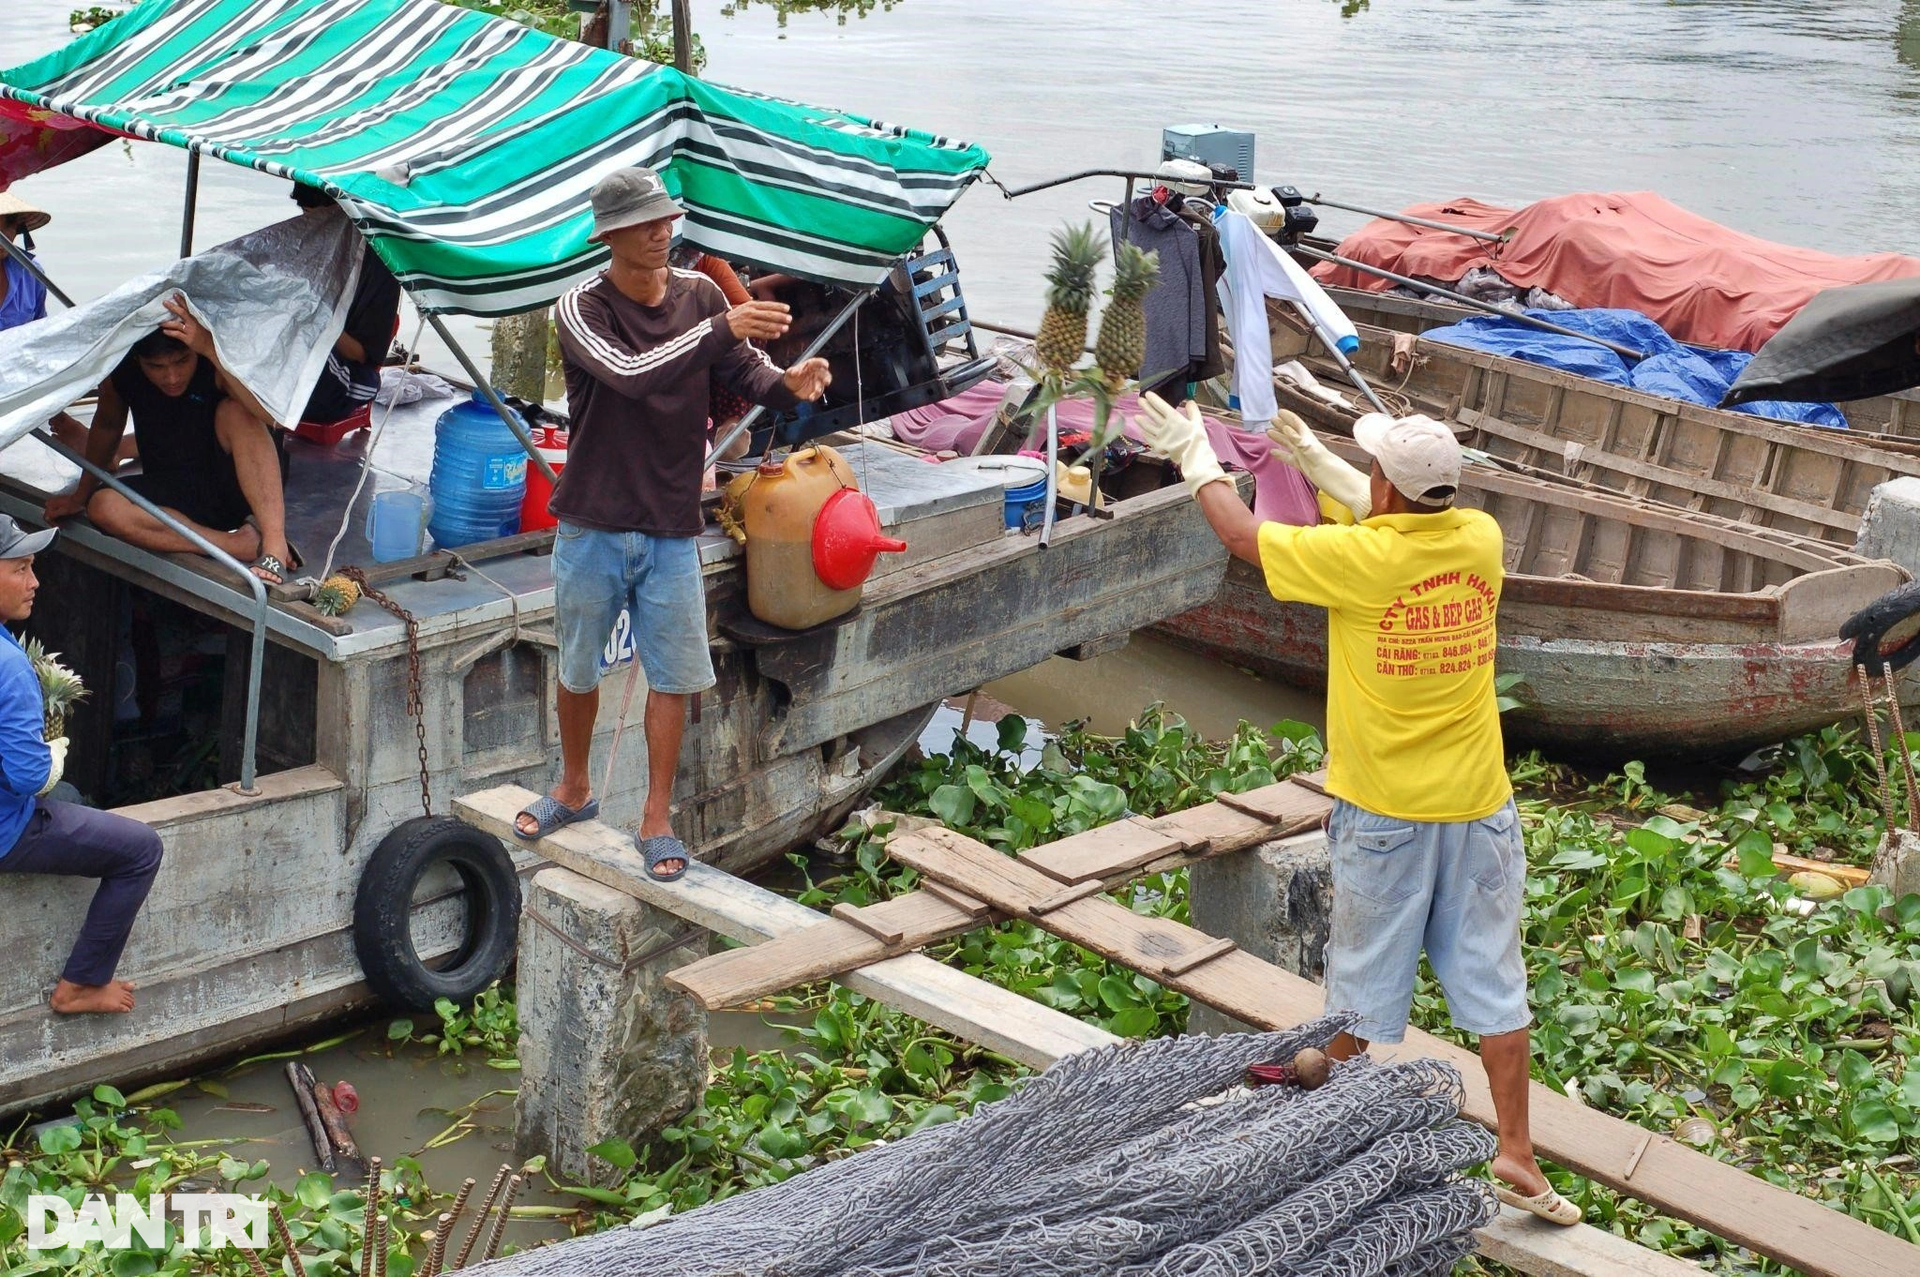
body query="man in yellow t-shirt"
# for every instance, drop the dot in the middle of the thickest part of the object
(1425, 843)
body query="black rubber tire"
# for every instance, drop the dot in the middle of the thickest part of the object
(382, 913)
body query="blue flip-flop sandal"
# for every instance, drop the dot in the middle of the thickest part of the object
(549, 814)
(662, 847)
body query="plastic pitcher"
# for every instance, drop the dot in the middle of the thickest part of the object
(397, 523)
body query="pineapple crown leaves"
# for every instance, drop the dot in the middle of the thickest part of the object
(1077, 251)
(1135, 272)
(60, 687)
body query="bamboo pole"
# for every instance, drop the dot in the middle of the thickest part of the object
(316, 1130)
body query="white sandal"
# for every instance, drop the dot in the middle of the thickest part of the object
(1548, 1205)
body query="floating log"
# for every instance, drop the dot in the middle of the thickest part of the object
(316, 1129)
(335, 1121)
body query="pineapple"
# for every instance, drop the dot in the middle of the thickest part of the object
(336, 596)
(60, 688)
(1063, 329)
(1122, 345)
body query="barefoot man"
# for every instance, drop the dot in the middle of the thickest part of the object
(639, 343)
(40, 836)
(1425, 842)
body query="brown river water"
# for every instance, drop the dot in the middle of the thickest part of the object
(1796, 121)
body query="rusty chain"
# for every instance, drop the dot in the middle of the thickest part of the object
(416, 703)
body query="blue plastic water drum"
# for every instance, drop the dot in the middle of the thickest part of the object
(479, 475)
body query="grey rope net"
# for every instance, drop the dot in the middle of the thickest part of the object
(1137, 1160)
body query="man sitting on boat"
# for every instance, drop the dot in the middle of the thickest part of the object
(1425, 841)
(207, 455)
(41, 836)
(642, 345)
(352, 376)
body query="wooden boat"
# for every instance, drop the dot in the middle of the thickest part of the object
(1636, 628)
(1897, 414)
(1807, 480)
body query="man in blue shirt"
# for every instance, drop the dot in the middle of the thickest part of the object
(40, 836)
(22, 297)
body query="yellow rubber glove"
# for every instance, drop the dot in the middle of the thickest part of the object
(1180, 437)
(1300, 448)
(58, 747)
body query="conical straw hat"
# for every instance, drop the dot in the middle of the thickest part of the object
(32, 219)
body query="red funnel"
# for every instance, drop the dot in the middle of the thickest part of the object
(846, 540)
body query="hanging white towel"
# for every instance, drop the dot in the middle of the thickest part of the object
(1258, 268)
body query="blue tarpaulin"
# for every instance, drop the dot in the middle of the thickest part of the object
(1693, 374)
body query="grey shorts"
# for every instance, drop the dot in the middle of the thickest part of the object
(655, 582)
(1453, 889)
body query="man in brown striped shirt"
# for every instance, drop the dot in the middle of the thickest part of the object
(642, 346)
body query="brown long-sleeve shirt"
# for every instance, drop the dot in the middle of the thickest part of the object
(638, 391)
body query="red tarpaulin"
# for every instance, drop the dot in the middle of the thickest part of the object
(1699, 280)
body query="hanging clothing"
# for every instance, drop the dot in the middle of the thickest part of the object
(1213, 264)
(1176, 306)
(1258, 268)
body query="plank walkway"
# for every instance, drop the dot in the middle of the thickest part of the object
(1098, 860)
(984, 1013)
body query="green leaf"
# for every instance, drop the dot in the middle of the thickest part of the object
(1118, 994)
(615, 1153)
(314, 1190)
(605, 1196)
(953, 804)
(1789, 1078)
(56, 1140)
(110, 1097)
(780, 1143)
(1013, 734)
(933, 1115)
(399, 1030)
(1134, 1022)
(1755, 851)
(1855, 1070)
(1874, 1120)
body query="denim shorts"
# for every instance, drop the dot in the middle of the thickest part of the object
(1453, 889)
(656, 581)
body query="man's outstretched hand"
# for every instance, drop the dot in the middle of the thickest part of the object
(808, 380)
(759, 321)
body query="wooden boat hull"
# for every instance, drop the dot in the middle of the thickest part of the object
(1603, 697)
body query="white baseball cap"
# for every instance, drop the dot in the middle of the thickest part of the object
(1416, 453)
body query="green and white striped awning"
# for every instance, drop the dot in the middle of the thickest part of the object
(465, 146)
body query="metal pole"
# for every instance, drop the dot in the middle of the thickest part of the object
(1626, 352)
(1339, 357)
(492, 396)
(32, 268)
(193, 199)
(1410, 220)
(752, 414)
(1017, 191)
(619, 25)
(214, 552)
(683, 36)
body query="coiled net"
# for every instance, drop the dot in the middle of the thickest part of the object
(1137, 1160)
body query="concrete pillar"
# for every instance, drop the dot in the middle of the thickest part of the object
(607, 1050)
(1891, 527)
(1275, 901)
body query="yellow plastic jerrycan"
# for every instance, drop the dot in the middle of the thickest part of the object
(776, 511)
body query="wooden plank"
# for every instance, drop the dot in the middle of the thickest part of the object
(1723, 1199)
(1196, 957)
(1106, 849)
(942, 996)
(1282, 804)
(937, 912)
(1063, 897)
(888, 933)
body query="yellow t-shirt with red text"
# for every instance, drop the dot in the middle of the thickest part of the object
(1413, 730)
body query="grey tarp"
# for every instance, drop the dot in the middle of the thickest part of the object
(275, 301)
(1847, 343)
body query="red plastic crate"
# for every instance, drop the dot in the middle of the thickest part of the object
(328, 433)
